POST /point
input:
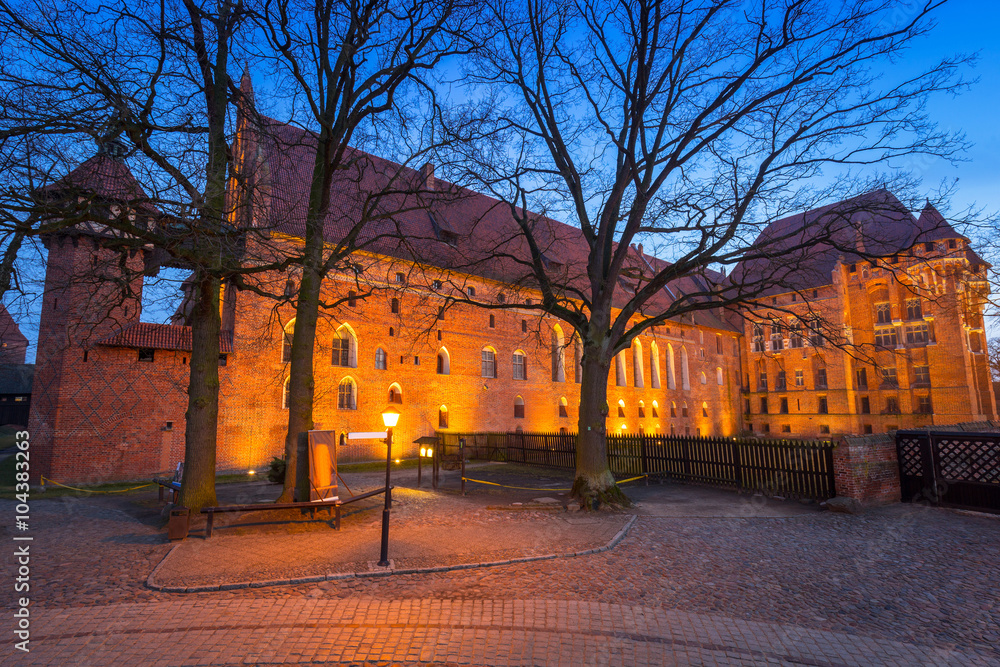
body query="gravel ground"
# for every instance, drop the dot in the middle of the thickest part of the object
(905, 573)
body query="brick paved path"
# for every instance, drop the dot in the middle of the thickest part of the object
(466, 632)
(914, 584)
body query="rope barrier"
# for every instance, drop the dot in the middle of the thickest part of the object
(523, 488)
(529, 488)
(73, 488)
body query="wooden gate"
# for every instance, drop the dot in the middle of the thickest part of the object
(956, 469)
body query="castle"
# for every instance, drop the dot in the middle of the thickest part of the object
(109, 396)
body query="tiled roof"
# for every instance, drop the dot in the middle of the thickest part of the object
(16, 378)
(802, 250)
(105, 177)
(161, 337)
(448, 227)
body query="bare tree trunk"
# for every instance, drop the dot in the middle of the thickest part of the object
(302, 383)
(201, 431)
(594, 483)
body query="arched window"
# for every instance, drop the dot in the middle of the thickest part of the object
(520, 366)
(684, 409)
(563, 407)
(642, 409)
(704, 408)
(395, 393)
(443, 362)
(558, 355)
(671, 373)
(347, 395)
(673, 408)
(443, 416)
(489, 362)
(621, 407)
(718, 375)
(395, 305)
(518, 407)
(345, 348)
(685, 376)
(638, 372)
(620, 379)
(654, 365)
(656, 410)
(284, 394)
(286, 341)
(704, 378)
(381, 359)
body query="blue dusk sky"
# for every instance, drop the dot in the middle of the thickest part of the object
(968, 26)
(963, 27)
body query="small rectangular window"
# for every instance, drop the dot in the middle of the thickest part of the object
(952, 244)
(223, 359)
(886, 337)
(867, 429)
(416, 361)
(400, 278)
(395, 306)
(524, 326)
(519, 411)
(824, 429)
(889, 378)
(786, 428)
(824, 408)
(861, 379)
(763, 405)
(146, 354)
(892, 405)
(493, 321)
(441, 313)
(784, 406)
(781, 383)
(821, 378)
(924, 405)
(800, 378)
(471, 291)
(922, 375)
(866, 406)
(436, 285)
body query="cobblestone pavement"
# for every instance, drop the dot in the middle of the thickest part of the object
(905, 583)
(480, 632)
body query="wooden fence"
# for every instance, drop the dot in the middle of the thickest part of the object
(791, 468)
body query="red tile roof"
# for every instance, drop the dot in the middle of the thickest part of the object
(448, 227)
(105, 177)
(802, 250)
(161, 337)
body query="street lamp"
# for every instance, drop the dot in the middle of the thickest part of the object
(390, 417)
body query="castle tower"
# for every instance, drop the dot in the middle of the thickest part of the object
(93, 290)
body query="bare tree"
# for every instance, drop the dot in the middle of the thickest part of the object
(351, 62)
(157, 75)
(683, 126)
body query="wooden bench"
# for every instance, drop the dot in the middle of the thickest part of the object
(335, 505)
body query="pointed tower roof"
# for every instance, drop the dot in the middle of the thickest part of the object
(104, 176)
(932, 226)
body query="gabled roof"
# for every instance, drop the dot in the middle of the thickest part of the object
(444, 226)
(16, 378)
(10, 333)
(801, 251)
(161, 337)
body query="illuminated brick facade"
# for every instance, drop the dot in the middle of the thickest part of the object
(903, 345)
(110, 391)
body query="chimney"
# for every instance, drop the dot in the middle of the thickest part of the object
(427, 174)
(640, 250)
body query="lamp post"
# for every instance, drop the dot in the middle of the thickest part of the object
(390, 417)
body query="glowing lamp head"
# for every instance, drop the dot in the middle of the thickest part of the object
(423, 451)
(390, 417)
